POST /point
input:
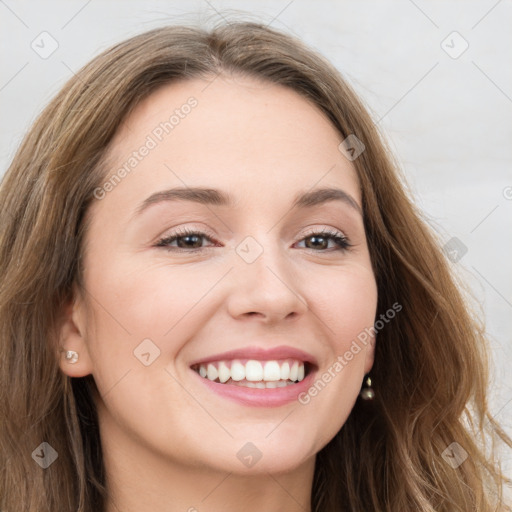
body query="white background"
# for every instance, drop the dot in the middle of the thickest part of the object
(448, 119)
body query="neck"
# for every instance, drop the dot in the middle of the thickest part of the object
(140, 480)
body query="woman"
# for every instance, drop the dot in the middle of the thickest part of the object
(215, 293)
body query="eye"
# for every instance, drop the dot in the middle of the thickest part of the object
(320, 240)
(186, 240)
(191, 241)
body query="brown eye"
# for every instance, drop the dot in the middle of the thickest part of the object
(320, 241)
(185, 240)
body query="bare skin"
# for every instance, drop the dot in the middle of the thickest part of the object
(170, 443)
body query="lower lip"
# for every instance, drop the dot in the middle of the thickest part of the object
(268, 397)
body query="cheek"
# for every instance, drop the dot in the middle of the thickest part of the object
(346, 302)
(142, 318)
(156, 302)
(147, 300)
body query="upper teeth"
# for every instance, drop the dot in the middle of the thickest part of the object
(253, 370)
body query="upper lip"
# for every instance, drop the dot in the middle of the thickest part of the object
(258, 353)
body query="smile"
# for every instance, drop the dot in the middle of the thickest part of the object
(253, 373)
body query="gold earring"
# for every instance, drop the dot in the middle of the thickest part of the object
(367, 393)
(71, 356)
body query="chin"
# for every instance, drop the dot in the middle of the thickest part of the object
(261, 455)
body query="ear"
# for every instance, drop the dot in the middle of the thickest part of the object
(370, 355)
(72, 336)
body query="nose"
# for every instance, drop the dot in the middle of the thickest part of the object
(267, 289)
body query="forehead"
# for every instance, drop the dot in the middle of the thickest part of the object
(256, 138)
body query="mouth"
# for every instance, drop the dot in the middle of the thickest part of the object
(257, 377)
(254, 373)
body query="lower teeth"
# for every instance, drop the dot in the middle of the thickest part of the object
(260, 384)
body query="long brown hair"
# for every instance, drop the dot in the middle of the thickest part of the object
(430, 371)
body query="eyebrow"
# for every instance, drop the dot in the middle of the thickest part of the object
(214, 197)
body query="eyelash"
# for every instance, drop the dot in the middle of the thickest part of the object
(341, 240)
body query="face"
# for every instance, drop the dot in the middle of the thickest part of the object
(245, 284)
